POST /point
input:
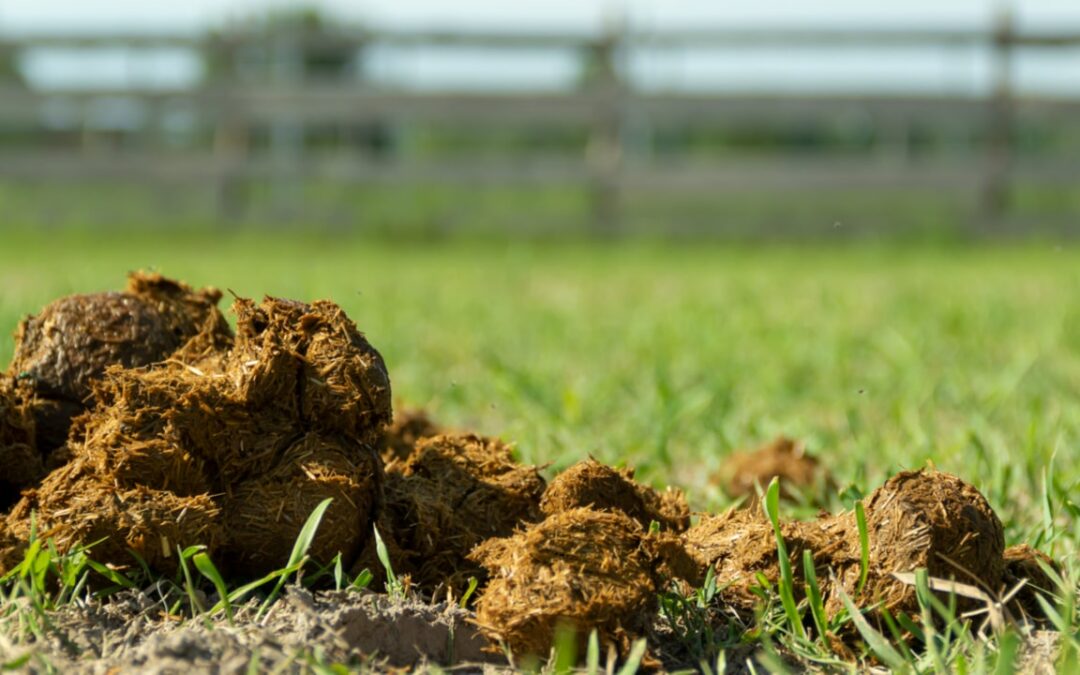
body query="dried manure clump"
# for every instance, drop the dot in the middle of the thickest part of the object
(583, 568)
(231, 448)
(452, 493)
(20, 463)
(783, 458)
(592, 484)
(926, 519)
(918, 519)
(61, 352)
(264, 515)
(75, 505)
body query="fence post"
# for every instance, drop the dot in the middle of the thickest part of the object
(996, 188)
(604, 153)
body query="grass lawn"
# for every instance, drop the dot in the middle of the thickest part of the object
(667, 357)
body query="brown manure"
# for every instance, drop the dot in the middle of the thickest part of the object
(64, 349)
(452, 493)
(581, 568)
(1026, 565)
(243, 443)
(263, 515)
(592, 484)
(925, 519)
(740, 546)
(20, 464)
(917, 519)
(781, 458)
(75, 505)
(399, 439)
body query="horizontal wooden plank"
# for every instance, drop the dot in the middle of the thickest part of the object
(327, 103)
(787, 173)
(359, 36)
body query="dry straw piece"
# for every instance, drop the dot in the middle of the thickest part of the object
(592, 484)
(452, 493)
(581, 568)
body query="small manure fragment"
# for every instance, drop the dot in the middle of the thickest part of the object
(1026, 565)
(452, 493)
(592, 484)
(799, 472)
(925, 519)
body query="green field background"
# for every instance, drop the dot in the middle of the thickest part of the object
(667, 357)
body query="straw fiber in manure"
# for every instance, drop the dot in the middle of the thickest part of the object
(137, 422)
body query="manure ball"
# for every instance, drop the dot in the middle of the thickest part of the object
(581, 567)
(264, 514)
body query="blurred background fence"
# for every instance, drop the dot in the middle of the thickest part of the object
(288, 119)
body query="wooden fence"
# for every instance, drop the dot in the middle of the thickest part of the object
(606, 105)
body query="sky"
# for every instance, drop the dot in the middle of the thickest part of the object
(929, 70)
(560, 14)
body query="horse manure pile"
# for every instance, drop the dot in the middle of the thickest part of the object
(227, 441)
(138, 420)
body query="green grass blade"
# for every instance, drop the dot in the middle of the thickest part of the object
(393, 585)
(864, 546)
(592, 654)
(1008, 648)
(813, 592)
(362, 580)
(565, 647)
(299, 551)
(787, 585)
(207, 568)
(633, 661)
(473, 584)
(307, 533)
(874, 640)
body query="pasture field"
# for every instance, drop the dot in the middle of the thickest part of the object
(668, 356)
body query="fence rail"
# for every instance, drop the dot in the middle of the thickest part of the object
(605, 107)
